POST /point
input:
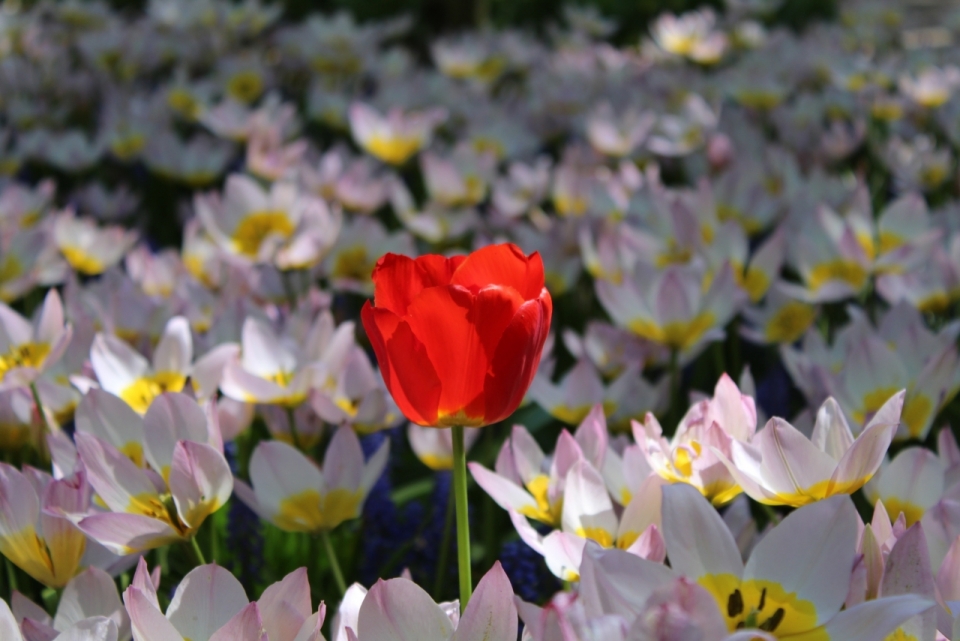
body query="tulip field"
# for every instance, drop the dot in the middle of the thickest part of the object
(319, 328)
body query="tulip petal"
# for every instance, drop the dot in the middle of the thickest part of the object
(399, 610)
(285, 606)
(200, 481)
(128, 533)
(866, 454)
(413, 375)
(116, 364)
(698, 541)
(147, 620)
(174, 352)
(119, 483)
(517, 358)
(8, 624)
(810, 553)
(92, 629)
(872, 620)
(504, 492)
(246, 625)
(503, 264)
(205, 600)
(348, 612)
(399, 279)
(343, 460)
(91, 593)
(491, 614)
(279, 471)
(587, 509)
(617, 582)
(110, 418)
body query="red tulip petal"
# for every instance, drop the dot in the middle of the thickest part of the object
(502, 265)
(381, 326)
(399, 279)
(415, 384)
(440, 318)
(517, 358)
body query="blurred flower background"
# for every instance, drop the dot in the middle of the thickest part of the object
(748, 215)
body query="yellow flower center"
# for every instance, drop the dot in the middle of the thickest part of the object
(81, 261)
(678, 334)
(395, 150)
(353, 263)
(309, 511)
(544, 512)
(140, 394)
(245, 86)
(751, 280)
(758, 604)
(840, 269)
(790, 322)
(25, 355)
(899, 635)
(256, 227)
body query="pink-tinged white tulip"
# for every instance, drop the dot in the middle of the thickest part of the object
(611, 349)
(865, 366)
(358, 397)
(396, 137)
(709, 426)
(87, 248)
(435, 222)
(589, 515)
(796, 579)
(19, 426)
(187, 481)
(459, 179)
(35, 534)
(296, 495)
(282, 225)
(829, 257)
(362, 242)
(529, 482)
(522, 188)
(618, 135)
(399, 610)
(581, 388)
(782, 466)
(23, 206)
(91, 629)
(932, 87)
(110, 418)
(679, 134)
(781, 319)
(28, 258)
(269, 155)
(690, 35)
(918, 164)
(912, 483)
(281, 370)
(670, 306)
(211, 605)
(28, 349)
(157, 274)
(92, 593)
(434, 445)
(126, 373)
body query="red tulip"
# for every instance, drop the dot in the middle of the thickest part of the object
(459, 339)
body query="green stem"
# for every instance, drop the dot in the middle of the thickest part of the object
(197, 553)
(294, 436)
(334, 564)
(463, 521)
(772, 514)
(444, 546)
(11, 575)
